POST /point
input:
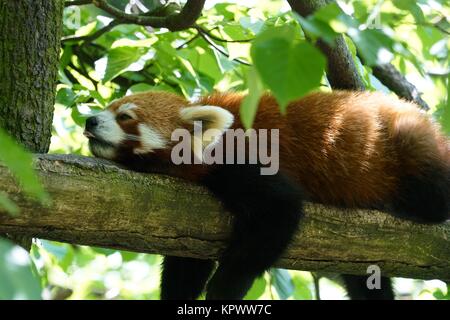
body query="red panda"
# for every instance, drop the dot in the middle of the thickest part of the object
(343, 148)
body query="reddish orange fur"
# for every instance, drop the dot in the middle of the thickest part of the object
(344, 148)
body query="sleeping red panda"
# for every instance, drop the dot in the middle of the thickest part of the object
(351, 149)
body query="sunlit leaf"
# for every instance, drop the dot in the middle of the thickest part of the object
(119, 60)
(411, 6)
(374, 46)
(143, 87)
(288, 67)
(444, 110)
(250, 103)
(19, 162)
(333, 15)
(302, 290)
(316, 28)
(257, 289)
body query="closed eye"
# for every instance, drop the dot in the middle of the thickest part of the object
(123, 117)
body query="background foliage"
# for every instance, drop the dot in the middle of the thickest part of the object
(257, 46)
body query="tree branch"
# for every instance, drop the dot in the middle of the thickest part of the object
(218, 49)
(77, 3)
(91, 37)
(341, 70)
(396, 82)
(96, 203)
(216, 38)
(174, 22)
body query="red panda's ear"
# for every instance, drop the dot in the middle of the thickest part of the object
(214, 122)
(211, 117)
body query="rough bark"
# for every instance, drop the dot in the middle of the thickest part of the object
(174, 22)
(395, 81)
(96, 203)
(341, 69)
(30, 32)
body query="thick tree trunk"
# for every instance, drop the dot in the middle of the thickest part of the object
(30, 33)
(96, 203)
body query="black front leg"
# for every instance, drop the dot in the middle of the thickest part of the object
(184, 278)
(357, 288)
(266, 213)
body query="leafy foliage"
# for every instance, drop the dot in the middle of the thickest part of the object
(285, 65)
(235, 47)
(16, 278)
(19, 162)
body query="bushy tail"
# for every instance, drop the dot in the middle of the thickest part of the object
(423, 193)
(424, 197)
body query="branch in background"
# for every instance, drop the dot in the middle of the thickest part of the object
(154, 213)
(218, 49)
(396, 82)
(341, 70)
(216, 38)
(91, 37)
(77, 3)
(174, 22)
(184, 44)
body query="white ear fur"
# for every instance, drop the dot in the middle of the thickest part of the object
(212, 117)
(215, 121)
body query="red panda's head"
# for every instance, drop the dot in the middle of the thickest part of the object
(142, 124)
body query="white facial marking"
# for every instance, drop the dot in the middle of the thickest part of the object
(213, 117)
(108, 129)
(101, 151)
(150, 140)
(126, 106)
(213, 122)
(128, 109)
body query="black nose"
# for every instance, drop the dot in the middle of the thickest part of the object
(91, 123)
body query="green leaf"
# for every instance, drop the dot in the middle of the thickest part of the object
(374, 46)
(333, 15)
(315, 28)
(63, 252)
(19, 162)
(118, 61)
(78, 117)
(8, 204)
(282, 283)
(66, 97)
(66, 56)
(97, 96)
(411, 6)
(236, 32)
(250, 103)
(302, 290)
(289, 68)
(139, 87)
(16, 279)
(143, 87)
(129, 256)
(445, 110)
(257, 289)
(204, 61)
